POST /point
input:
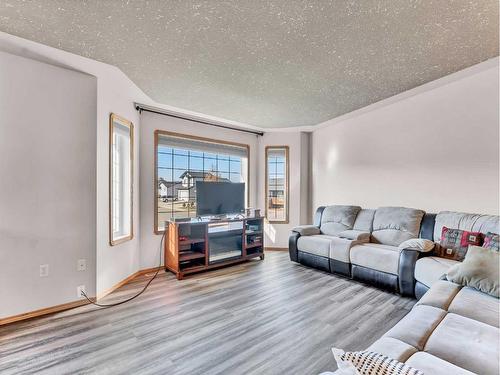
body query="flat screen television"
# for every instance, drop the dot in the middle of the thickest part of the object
(219, 198)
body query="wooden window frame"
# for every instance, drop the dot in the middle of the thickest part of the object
(123, 121)
(157, 135)
(287, 183)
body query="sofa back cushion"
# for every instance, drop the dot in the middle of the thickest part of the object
(364, 220)
(336, 219)
(465, 221)
(393, 225)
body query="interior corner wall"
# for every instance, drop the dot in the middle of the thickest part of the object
(47, 184)
(116, 93)
(150, 242)
(276, 235)
(436, 150)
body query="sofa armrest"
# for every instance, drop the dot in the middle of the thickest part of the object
(418, 244)
(307, 230)
(357, 235)
(292, 246)
(406, 271)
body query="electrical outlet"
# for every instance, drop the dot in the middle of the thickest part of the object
(79, 290)
(81, 265)
(44, 270)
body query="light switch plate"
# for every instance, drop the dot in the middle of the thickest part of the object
(81, 265)
(44, 270)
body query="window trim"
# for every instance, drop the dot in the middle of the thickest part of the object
(123, 121)
(157, 134)
(287, 183)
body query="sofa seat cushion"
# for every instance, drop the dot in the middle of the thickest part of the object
(428, 270)
(466, 343)
(327, 246)
(440, 295)
(473, 304)
(433, 365)
(336, 219)
(317, 245)
(393, 348)
(416, 327)
(378, 257)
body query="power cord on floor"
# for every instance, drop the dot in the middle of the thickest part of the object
(138, 294)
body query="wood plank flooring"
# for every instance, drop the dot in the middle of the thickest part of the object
(261, 317)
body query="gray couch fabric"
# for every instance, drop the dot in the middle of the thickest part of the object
(317, 245)
(328, 246)
(336, 219)
(393, 225)
(428, 270)
(465, 221)
(307, 230)
(378, 257)
(451, 330)
(364, 220)
(355, 235)
(341, 247)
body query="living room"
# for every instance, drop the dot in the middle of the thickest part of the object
(238, 187)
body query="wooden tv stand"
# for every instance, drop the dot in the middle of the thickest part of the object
(199, 245)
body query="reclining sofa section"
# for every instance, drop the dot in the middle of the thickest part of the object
(364, 244)
(432, 268)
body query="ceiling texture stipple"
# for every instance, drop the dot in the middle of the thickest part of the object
(278, 63)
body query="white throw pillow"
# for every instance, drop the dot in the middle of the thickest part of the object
(479, 270)
(370, 363)
(419, 244)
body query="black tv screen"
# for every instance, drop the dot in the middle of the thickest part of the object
(219, 198)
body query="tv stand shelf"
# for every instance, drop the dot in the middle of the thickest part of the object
(200, 244)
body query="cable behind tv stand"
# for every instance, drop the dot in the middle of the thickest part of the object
(199, 245)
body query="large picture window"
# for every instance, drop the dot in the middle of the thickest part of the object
(277, 184)
(121, 157)
(183, 160)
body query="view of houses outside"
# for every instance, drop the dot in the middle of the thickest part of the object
(178, 172)
(276, 163)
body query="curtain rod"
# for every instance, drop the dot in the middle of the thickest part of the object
(142, 107)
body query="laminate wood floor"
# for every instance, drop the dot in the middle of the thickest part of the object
(261, 317)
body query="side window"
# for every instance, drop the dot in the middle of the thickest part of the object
(277, 194)
(121, 141)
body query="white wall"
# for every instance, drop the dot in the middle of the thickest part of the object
(149, 123)
(115, 93)
(435, 150)
(114, 263)
(47, 185)
(276, 235)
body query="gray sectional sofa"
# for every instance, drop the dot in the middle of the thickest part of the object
(451, 330)
(364, 244)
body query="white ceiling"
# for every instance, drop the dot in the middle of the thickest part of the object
(278, 63)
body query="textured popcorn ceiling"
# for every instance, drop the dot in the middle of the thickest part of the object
(275, 63)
